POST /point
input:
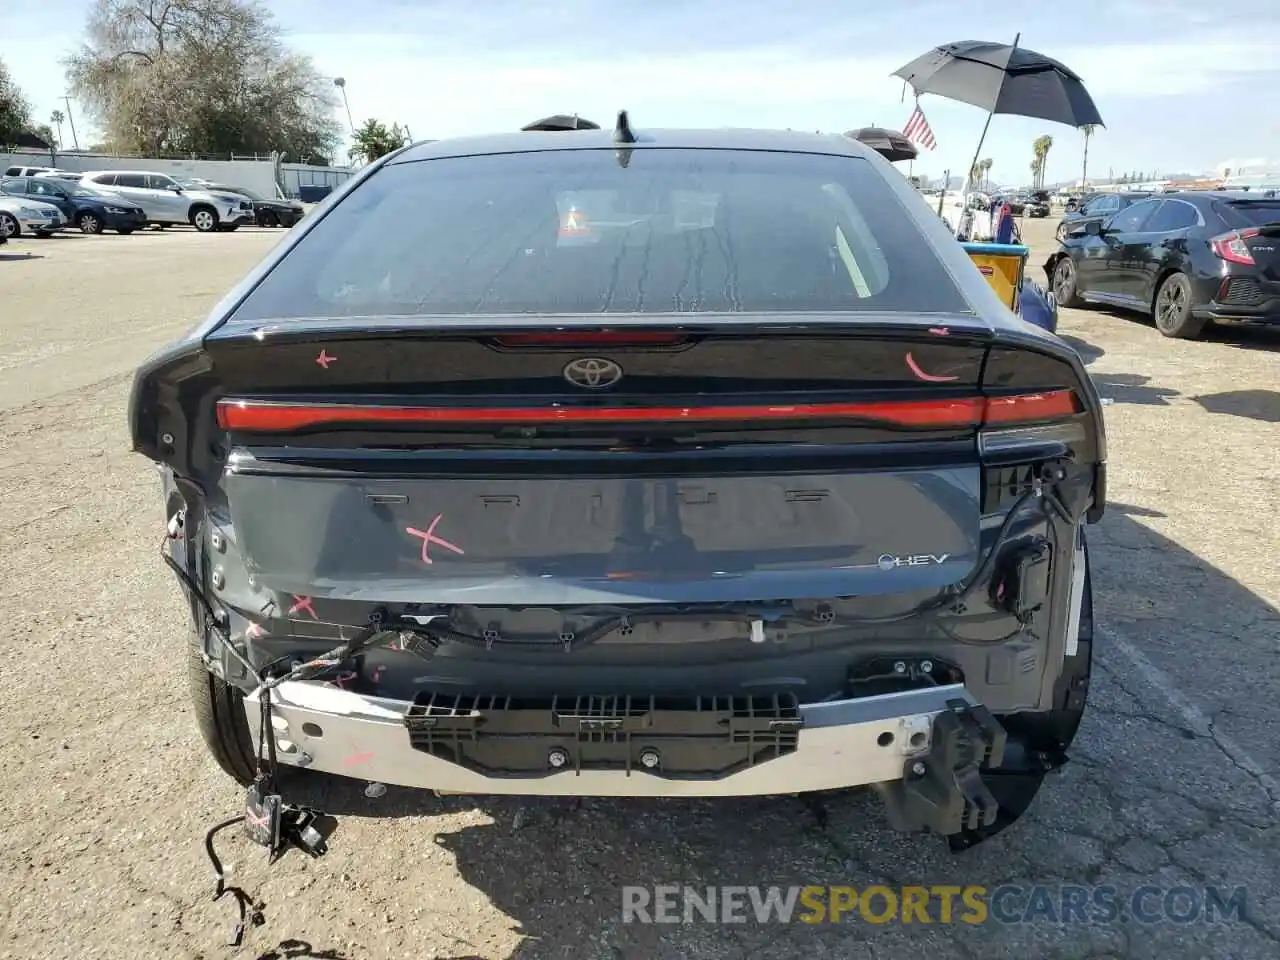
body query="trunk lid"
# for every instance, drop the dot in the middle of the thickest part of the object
(725, 463)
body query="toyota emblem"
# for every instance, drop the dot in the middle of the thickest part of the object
(592, 373)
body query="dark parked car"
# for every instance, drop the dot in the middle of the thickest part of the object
(89, 210)
(1096, 209)
(693, 463)
(1038, 204)
(1186, 259)
(267, 212)
(1076, 201)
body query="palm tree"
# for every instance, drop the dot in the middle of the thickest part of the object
(1040, 146)
(975, 177)
(1088, 130)
(56, 119)
(986, 173)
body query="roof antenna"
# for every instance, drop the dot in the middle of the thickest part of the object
(622, 132)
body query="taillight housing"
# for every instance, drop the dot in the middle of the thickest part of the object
(960, 412)
(1232, 247)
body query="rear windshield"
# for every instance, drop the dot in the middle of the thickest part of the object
(1255, 213)
(570, 232)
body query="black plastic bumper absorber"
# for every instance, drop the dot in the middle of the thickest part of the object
(692, 738)
(942, 791)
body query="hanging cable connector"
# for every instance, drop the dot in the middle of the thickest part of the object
(268, 820)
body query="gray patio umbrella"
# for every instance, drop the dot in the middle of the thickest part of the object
(890, 144)
(1003, 78)
(562, 121)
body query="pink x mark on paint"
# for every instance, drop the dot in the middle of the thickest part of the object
(915, 368)
(429, 537)
(303, 603)
(253, 630)
(325, 359)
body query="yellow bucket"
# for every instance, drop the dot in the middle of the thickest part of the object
(1002, 265)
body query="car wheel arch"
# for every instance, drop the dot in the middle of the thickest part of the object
(1165, 273)
(1051, 265)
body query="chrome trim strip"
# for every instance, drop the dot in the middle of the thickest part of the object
(1077, 599)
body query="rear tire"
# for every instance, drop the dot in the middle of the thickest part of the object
(1172, 306)
(219, 711)
(204, 219)
(269, 219)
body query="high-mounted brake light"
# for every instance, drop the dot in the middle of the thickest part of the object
(1232, 247)
(612, 338)
(264, 416)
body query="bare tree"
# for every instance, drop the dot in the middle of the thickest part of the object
(200, 76)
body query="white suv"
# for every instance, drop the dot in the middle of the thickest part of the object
(165, 201)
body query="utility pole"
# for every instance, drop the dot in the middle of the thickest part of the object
(341, 84)
(71, 120)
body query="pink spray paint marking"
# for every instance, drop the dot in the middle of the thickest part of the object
(377, 674)
(342, 679)
(940, 331)
(358, 758)
(253, 630)
(429, 537)
(303, 603)
(915, 368)
(325, 359)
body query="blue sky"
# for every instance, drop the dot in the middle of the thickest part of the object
(1181, 85)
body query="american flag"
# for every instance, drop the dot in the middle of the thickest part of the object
(919, 131)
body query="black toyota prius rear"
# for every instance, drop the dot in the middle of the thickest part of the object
(667, 438)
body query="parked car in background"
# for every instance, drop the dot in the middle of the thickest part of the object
(1098, 208)
(1038, 204)
(21, 171)
(167, 202)
(1187, 259)
(26, 215)
(89, 210)
(267, 212)
(1017, 202)
(1074, 201)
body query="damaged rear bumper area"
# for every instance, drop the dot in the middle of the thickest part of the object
(925, 750)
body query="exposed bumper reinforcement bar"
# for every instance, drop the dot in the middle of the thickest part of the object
(841, 743)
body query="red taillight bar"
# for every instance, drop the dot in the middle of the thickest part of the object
(613, 338)
(256, 416)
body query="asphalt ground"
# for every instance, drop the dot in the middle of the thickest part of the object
(107, 791)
